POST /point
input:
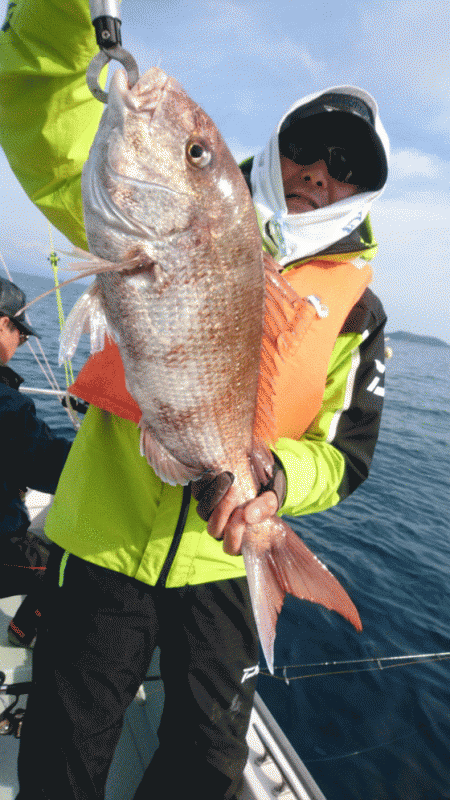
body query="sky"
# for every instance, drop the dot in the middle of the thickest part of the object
(246, 62)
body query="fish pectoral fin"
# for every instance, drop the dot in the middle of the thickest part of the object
(91, 264)
(87, 316)
(166, 466)
(288, 566)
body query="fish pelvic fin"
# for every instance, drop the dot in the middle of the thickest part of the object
(287, 317)
(288, 566)
(87, 316)
(165, 465)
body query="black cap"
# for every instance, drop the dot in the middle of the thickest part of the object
(12, 299)
(340, 120)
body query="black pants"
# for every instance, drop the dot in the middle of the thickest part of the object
(92, 652)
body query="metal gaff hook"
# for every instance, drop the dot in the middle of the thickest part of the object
(116, 53)
(105, 16)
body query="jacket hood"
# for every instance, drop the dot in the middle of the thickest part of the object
(292, 237)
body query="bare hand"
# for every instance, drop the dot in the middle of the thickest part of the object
(209, 491)
(218, 504)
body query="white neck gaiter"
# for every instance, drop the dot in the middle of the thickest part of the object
(291, 237)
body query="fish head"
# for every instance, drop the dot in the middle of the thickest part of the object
(160, 177)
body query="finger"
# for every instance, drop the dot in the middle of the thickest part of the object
(261, 508)
(232, 542)
(222, 513)
(234, 532)
(257, 510)
(209, 493)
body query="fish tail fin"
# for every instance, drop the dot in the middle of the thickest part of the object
(288, 566)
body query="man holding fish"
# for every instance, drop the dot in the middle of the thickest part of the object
(250, 383)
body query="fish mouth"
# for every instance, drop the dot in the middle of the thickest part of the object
(149, 91)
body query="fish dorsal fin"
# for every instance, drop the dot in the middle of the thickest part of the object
(286, 314)
(298, 341)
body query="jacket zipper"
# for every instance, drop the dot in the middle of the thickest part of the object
(176, 537)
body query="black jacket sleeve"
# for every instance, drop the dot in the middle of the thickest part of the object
(33, 456)
(357, 428)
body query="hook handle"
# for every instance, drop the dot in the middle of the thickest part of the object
(105, 17)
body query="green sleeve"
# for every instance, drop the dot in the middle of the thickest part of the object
(314, 466)
(48, 117)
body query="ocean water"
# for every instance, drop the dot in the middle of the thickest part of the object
(43, 317)
(378, 734)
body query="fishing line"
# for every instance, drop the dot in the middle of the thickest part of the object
(402, 661)
(359, 752)
(53, 258)
(405, 661)
(47, 369)
(50, 375)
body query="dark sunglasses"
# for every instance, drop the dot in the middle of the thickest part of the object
(339, 163)
(23, 337)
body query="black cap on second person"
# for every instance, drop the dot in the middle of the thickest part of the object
(12, 299)
(342, 120)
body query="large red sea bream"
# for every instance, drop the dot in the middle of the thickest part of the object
(183, 289)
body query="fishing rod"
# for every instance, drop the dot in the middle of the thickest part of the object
(405, 661)
(31, 390)
(378, 662)
(64, 396)
(11, 721)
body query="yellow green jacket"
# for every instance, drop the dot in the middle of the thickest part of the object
(110, 508)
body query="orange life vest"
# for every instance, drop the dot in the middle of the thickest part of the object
(300, 383)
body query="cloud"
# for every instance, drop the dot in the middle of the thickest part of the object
(234, 34)
(414, 174)
(406, 163)
(410, 219)
(239, 151)
(24, 237)
(411, 270)
(411, 224)
(419, 180)
(245, 30)
(406, 42)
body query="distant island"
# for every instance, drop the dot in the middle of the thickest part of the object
(413, 338)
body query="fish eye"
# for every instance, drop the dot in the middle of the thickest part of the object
(198, 153)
